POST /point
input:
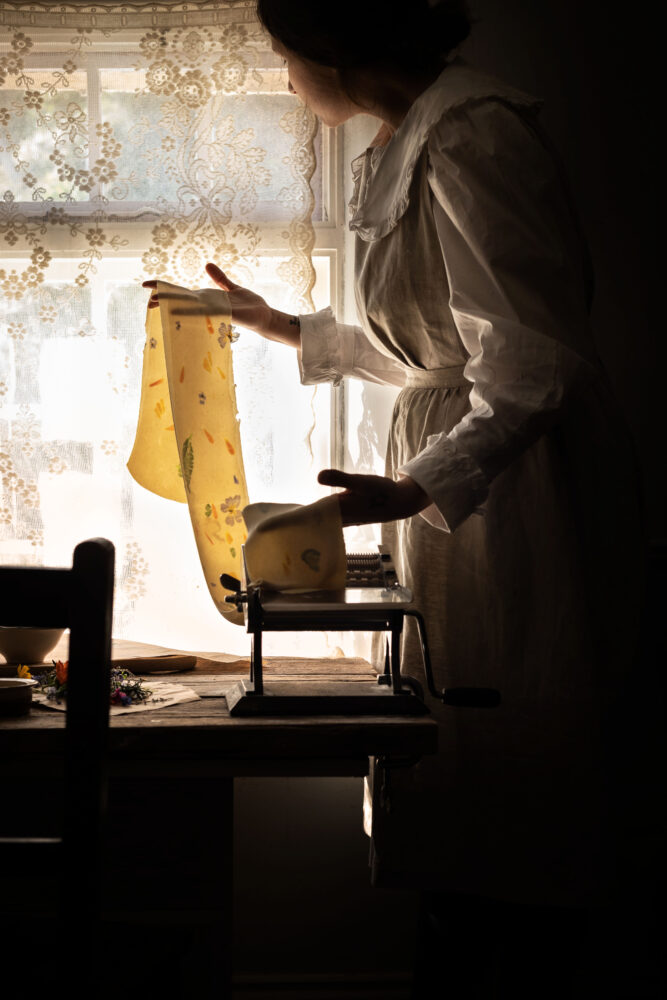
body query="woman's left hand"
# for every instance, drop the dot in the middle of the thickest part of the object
(370, 499)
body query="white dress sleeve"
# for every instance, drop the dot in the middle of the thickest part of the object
(331, 351)
(514, 262)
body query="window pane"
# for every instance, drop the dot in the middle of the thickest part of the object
(236, 146)
(44, 151)
(70, 376)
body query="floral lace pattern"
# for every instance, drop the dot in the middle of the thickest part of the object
(158, 134)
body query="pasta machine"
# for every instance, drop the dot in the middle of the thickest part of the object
(372, 600)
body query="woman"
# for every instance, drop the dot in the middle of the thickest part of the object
(507, 469)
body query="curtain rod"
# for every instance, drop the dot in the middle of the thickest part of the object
(109, 14)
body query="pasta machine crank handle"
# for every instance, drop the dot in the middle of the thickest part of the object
(239, 597)
(459, 697)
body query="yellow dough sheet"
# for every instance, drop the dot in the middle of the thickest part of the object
(188, 448)
(294, 548)
(188, 441)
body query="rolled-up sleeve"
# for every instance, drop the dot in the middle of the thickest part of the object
(331, 351)
(515, 266)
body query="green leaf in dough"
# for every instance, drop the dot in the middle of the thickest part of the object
(187, 461)
(311, 557)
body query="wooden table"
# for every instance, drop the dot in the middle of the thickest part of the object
(171, 796)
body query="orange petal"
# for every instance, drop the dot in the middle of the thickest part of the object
(61, 671)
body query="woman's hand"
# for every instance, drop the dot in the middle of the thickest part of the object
(248, 309)
(371, 499)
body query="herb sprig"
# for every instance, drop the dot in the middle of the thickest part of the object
(125, 688)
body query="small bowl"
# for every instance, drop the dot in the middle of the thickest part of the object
(28, 645)
(15, 695)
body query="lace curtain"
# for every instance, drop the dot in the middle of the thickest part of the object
(141, 140)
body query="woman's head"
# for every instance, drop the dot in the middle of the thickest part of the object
(354, 34)
(337, 42)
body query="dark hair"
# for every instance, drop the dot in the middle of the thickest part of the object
(350, 34)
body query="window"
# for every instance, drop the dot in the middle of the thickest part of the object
(136, 145)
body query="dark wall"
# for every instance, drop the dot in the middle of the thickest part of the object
(594, 66)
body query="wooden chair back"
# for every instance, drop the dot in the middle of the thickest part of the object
(79, 598)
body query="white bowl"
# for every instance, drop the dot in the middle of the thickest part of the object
(28, 645)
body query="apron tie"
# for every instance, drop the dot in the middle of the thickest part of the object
(437, 378)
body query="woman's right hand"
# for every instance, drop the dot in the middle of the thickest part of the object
(248, 310)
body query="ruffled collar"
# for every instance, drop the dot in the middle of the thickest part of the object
(382, 175)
